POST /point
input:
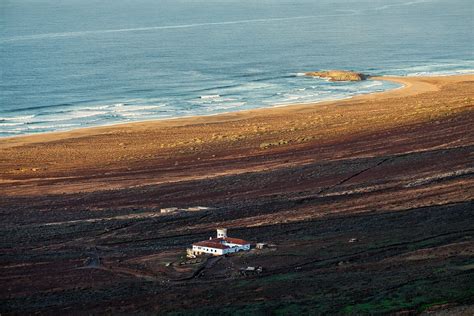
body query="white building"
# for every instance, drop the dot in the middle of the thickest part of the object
(221, 245)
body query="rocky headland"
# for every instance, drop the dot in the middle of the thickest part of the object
(338, 75)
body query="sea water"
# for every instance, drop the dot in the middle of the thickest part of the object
(81, 63)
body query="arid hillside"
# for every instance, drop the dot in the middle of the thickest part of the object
(366, 206)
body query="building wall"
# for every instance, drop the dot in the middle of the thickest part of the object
(218, 252)
(236, 245)
(214, 251)
(237, 248)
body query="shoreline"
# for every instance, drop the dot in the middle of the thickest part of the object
(405, 82)
(87, 159)
(173, 118)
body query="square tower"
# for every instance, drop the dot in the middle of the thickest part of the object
(222, 233)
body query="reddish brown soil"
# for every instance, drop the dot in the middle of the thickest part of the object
(81, 230)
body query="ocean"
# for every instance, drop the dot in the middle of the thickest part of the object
(82, 63)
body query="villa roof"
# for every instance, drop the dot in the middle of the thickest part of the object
(233, 240)
(218, 242)
(211, 244)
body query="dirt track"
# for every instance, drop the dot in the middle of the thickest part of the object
(79, 236)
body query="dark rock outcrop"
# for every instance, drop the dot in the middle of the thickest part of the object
(338, 75)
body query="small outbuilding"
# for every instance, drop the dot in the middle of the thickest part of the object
(168, 210)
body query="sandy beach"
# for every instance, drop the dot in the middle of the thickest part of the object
(89, 158)
(364, 202)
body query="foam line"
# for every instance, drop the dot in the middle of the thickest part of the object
(152, 28)
(183, 26)
(403, 4)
